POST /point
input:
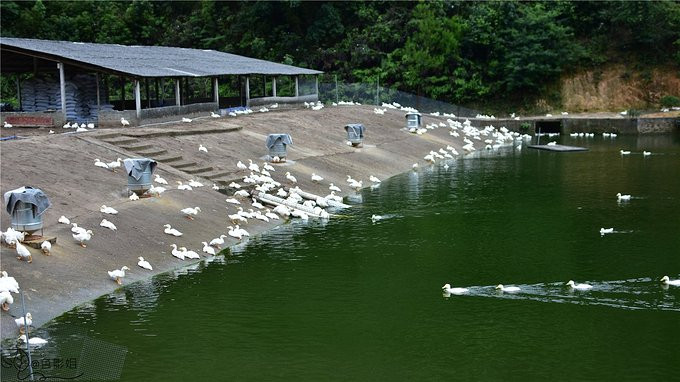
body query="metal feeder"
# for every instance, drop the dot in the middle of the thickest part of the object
(139, 172)
(276, 143)
(355, 133)
(414, 121)
(26, 206)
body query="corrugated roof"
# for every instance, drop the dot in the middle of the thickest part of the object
(153, 61)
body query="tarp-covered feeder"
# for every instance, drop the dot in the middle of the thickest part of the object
(139, 172)
(414, 121)
(355, 133)
(276, 143)
(26, 205)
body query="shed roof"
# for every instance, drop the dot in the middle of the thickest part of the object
(149, 61)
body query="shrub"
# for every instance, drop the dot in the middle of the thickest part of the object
(524, 127)
(670, 101)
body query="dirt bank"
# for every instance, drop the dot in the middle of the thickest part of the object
(62, 166)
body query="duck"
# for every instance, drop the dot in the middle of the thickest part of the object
(257, 204)
(623, 197)
(177, 253)
(21, 323)
(242, 193)
(316, 178)
(208, 249)
(232, 201)
(33, 341)
(186, 120)
(133, 197)
(291, 178)
(6, 300)
(171, 231)
(90, 125)
(299, 214)
(604, 231)
(571, 284)
(276, 159)
(510, 289)
(282, 210)
(107, 224)
(118, 274)
(107, 210)
(234, 185)
(114, 165)
(214, 115)
(646, 153)
(23, 253)
(333, 187)
(190, 211)
(64, 220)
(12, 237)
(7, 125)
(253, 166)
(668, 281)
(153, 190)
(357, 185)
(457, 291)
(241, 166)
(624, 152)
(241, 230)
(101, 164)
(144, 264)
(238, 217)
(124, 122)
(195, 183)
(46, 247)
(414, 167)
(189, 254)
(268, 167)
(268, 213)
(82, 237)
(234, 233)
(215, 187)
(218, 241)
(184, 187)
(375, 218)
(8, 283)
(281, 193)
(158, 179)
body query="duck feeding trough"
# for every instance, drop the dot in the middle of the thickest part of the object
(414, 121)
(139, 172)
(355, 133)
(277, 145)
(26, 206)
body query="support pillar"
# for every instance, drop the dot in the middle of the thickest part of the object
(62, 88)
(99, 103)
(297, 86)
(178, 97)
(274, 86)
(19, 90)
(317, 86)
(216, 91)
(138, 100)
(247, 91)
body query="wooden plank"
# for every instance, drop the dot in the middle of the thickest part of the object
(558, 148)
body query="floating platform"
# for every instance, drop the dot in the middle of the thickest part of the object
(558, 148)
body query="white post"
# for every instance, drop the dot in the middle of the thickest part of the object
(317, 86)
(62, 86)
(216, 92)
(247, 91)
(274, 86)
(297, 87)
(178, 99)
(138, 100)
(99, 107)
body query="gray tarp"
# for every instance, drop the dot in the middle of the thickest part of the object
(137, 166)
(357, 128)
(28, 195)
(272, 138)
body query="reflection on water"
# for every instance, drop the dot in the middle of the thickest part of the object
(358, 299)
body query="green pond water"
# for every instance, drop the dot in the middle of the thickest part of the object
(351, 299)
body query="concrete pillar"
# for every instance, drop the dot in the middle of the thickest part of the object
(317, 86)
(274, 86)
(19, 90)
(138, 99)
(62, 88)
(247, 90)
(99, 104)
(216, 91)
(178, 97)
(146, 90)
(297, 86)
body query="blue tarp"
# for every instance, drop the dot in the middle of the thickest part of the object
(135, 167)
(356, 128)
(28, 195)
(272, 138)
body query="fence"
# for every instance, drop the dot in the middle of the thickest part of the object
(332, 90)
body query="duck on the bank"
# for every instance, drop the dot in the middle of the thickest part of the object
(101, 164)
(8, 283)
(144, 264)
(189, 253)
(23, 252)
(268, 167)
(218, 241)
(6, 300)
(646, 153)
(241, 166)
(374, 179)
(666, 280)
(158, 179)
(114, 165)
(64, 220)
(46, 247)
(572, 285)
(171, 231)
(177, 253)
(202, 148)
(291, 178)
(457, 291)
(107, 224)
(190, 211)
(232, 201)
(184, 187)
(194, 183)
(21, 323)
(118, 274)
(107, 210)
(253, 166)
(208, 249)
(510, 289)
(316, 178)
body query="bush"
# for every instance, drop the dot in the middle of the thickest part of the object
(524, 127)
(670, 101)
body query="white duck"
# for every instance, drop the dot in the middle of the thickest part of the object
(195, 183)
(153, 190)
(232, 201)
(316, 178)
(646, 153)
(160, 180)
(124, 122)
(271, 215)
(5, 300)
(624, 152)
(107, 224)
(457, 291)
(33, 341)
(291, 178)
(64, 220)
(82, 237)
(241, 166)
(622, 197)
(510, 289)
(268, 167)
(189, 254)
(333, 187)
(101, 164)
(234, 185)
(374, 179)
(668, 281)
(23, 253)
(133, 197)
(604, 231)
(257, 204)
(208, 249)
(46, 247)
(202, 148)
(218, 241)
(114, 165)
(107, 210)
(253, 166)
(184, 187)
(144, 264)
(8, 283)
(118, 274)
(242, 193)
(186, 120)
(21, 323)
(171, 231)
(215, 187)
(572, 285)
(190, 211)
(177, 253)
